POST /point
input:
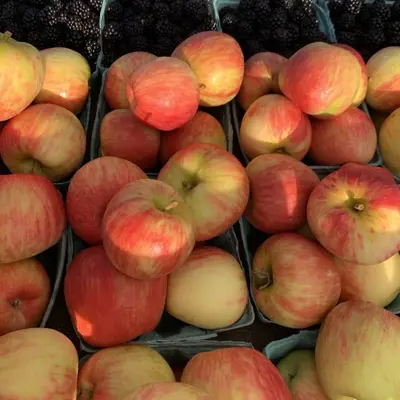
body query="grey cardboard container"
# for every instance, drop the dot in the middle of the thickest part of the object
(222, 114)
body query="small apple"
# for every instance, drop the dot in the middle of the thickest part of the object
(168, 391)
(212, 182)
(108, 308)
(389, 137)
(273, 124)
(355, 214)
(218, 62)
(114, 373)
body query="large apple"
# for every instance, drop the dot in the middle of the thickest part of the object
(379, 284)
(32, 216)
(218, 62)
(90, 191)
(163, 93)
(209, 290)
(212, 182)
(295, 281)
(349, 137)
(47, 361)
(45, 139)
(148, 230)
(117, 77)
(122, 135)
(25, 293)
(358, 352)
(389, 142)
(355, 214)
(273, 124)
(321, 79)
(261, 73)
(114, 373)
(169, 391)
(280, 187)
(383, 80)
(236, 373)
(109, 308)
(66, 79)
(299, 372)
(202, 128)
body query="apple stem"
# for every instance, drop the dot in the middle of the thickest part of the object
(172, 205)
(263, 279)
(5, 36)
(359, 207)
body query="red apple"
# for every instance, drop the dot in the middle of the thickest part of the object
(25, 293)
(236, 373)
(202, 128)
(212, 182)
(47, 361)
(90, 191)
(261, 73)
(117, 77)
(32, 216)
(273, 124)
(163, 93)
(349, 137)
(66, 80)
(358, 352)
(22, 76)
(295, 280)
(389, 142)
(355, 214)
(124, 136)
(148, 230)
(218, 62)
(209, 290)
(114, 373)
(45, 139)
(109, 308)
(321, 79)
(280, 187)
(168, 391)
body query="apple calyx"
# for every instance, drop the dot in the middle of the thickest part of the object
(84, 394)
(172, 205)
(263, 279)
(281, 150)
(187, 186)
(15, 303)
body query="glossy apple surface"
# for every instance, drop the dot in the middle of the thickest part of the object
(389, 139)
(169, 391)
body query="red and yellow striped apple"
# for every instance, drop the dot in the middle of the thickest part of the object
(273, 124)
(93, 289)
(389, 142)
(212, 182)
(280, 187)
(355, 214)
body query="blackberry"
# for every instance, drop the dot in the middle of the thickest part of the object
(229, 22)
(30, 19)
(283, 36)
(112, 32)
(7, 12)
(249, 16)
(381, 10)
(38, 3)
(376, 24)
(20, 9)
(176, 11)
(364, 16)
(184, 28)
(263, 12)
(245, 29)
(57, 4)
(75, 40)
(313, 35)
(350, 38)
(79, 8)
(245, 5)
(226, 10)
(74, 23)
(278, 19)
(306, 5)
(95, 4)
(298, 15)
(288, 4)
(91, 50)
(114, 11)
(51, 35)
(48, 16)
(393, 33)
(353, 6)
(139, 43)
(395, 11)
(161, 11)
(165, 28)
(208, 24)
(91, 29)
(309, 24)
(34, 38)
(294, 31)
(133, 28)
(62, 17)
(335, 7)
(376, 39)
(265, 35)
(141, 6)
(252, 47)
(16, 30)
(163, 47)
(196, 10)
(346, 22)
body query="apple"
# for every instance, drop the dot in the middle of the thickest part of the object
(236, 373)
(212, 182)
(45, 358)
(202, 128)
(358, 352)
(355, 214)
(117, 77)
(122, 135)
(108, 308)
(114, 373)
(273, 124)
(90, 191)
(45, 139)
(261, 77)
(280, 187)
(383, 80)
(389, 136)
(349, 137)
(32, 216)
(25, 294)
(321, 79)
(218, 62)
(209, 290)
(22, 76)
(66, 79)
(168, 391)
(362, 90)
(299, 372)
(163, 93)
(379, 284)
(295, 281)
(148, 230)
